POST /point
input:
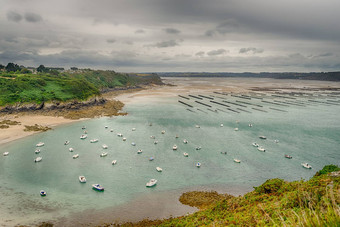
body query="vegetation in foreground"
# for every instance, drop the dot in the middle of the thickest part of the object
(274, 203)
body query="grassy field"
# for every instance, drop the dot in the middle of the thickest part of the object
(73, 85)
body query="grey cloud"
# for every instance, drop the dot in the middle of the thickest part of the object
(200, 53)
(32, 17)
(139, 31)
(172, 31)
(164, 44)
(128, 42)
(252, 50)
(110, 40)
(216, 52)
(13, 16)
(228, 26)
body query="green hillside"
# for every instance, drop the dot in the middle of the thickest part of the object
(275, 203)
(54, 86)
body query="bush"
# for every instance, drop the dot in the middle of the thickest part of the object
(270, 186)
(327, 169)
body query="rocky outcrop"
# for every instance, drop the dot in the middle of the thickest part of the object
(73, 105)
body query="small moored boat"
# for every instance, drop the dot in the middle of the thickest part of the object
(133, 144)
(103, 154)
(124, 139)
(111, 130)
(198, 148)
(119, 134)
(114, 162)
(255, 144)
(40, 144)
(104, 146)
(174, 147)
(237, 160)
(198, 164)
(235, 129)
(37, 151)
(159, 169)
(84, 127)
(163, 132)
(152, 137)
(197, 126)
(43, 193)
(133, 129)
(82, 179)
(75, 156)
(223, 152)
(176, 136)
(263, 137)
(288, 156)
(38, 159)
(261, 149)
(106, 126)
(221, 125)
(139, 151)
(70, 149)
(306, 165)
(6, 153)
(151, 183)
(66, 142)
(151, 158)
(276, 141)
(155, 142)
(250, 125)
(94, 141)
(186, 154)
(84, 136)
(185, 141)
(97, 187)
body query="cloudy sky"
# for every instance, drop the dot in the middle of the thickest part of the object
(173, 35)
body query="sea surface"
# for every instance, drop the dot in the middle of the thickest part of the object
(309, 131)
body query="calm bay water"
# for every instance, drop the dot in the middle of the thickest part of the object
(310, 134)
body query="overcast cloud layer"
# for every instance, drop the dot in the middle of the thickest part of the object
(172, 35)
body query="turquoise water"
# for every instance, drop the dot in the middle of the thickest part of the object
(310, 134)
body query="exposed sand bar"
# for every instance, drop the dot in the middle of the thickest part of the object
(15, 132)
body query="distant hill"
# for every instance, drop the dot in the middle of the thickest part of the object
(325, 76)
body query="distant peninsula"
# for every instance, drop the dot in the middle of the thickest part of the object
(323, 76)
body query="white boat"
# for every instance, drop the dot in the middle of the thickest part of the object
(237, 160)
(155, 142)
(198, 164)
(186, 154)
(276, 141)
(104, 146)
(37, 151)
(119, 134)
(306, 165)
(198, 148)
(221, 125)
(262, 137)
(133, 129)
(152, 137)
(176, 136)
(94, 141)
(82, 179)
(133, 144)
(150, 124)
(159, 169)
(84, 136)
(103, 154)
(163, 132)
(139, 151)
(174, 147)
(151, 183)
(84, 127)
(38, 159)
(151, 158)
(197, 126)
(106, 126)
(235, 129)
(250, 125)
(114, 162)
(97, 187)
(255, 144)
(75, 156)
(288, 156)
(70, 149)
(43, 193)
(66, 142)
(111, 130)
(124, 139)
(224, 152)
(85, 132)
(185, 141)
(261, 149)
(6, 153)
(40, 144)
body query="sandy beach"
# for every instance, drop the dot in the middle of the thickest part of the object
(180, 86)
